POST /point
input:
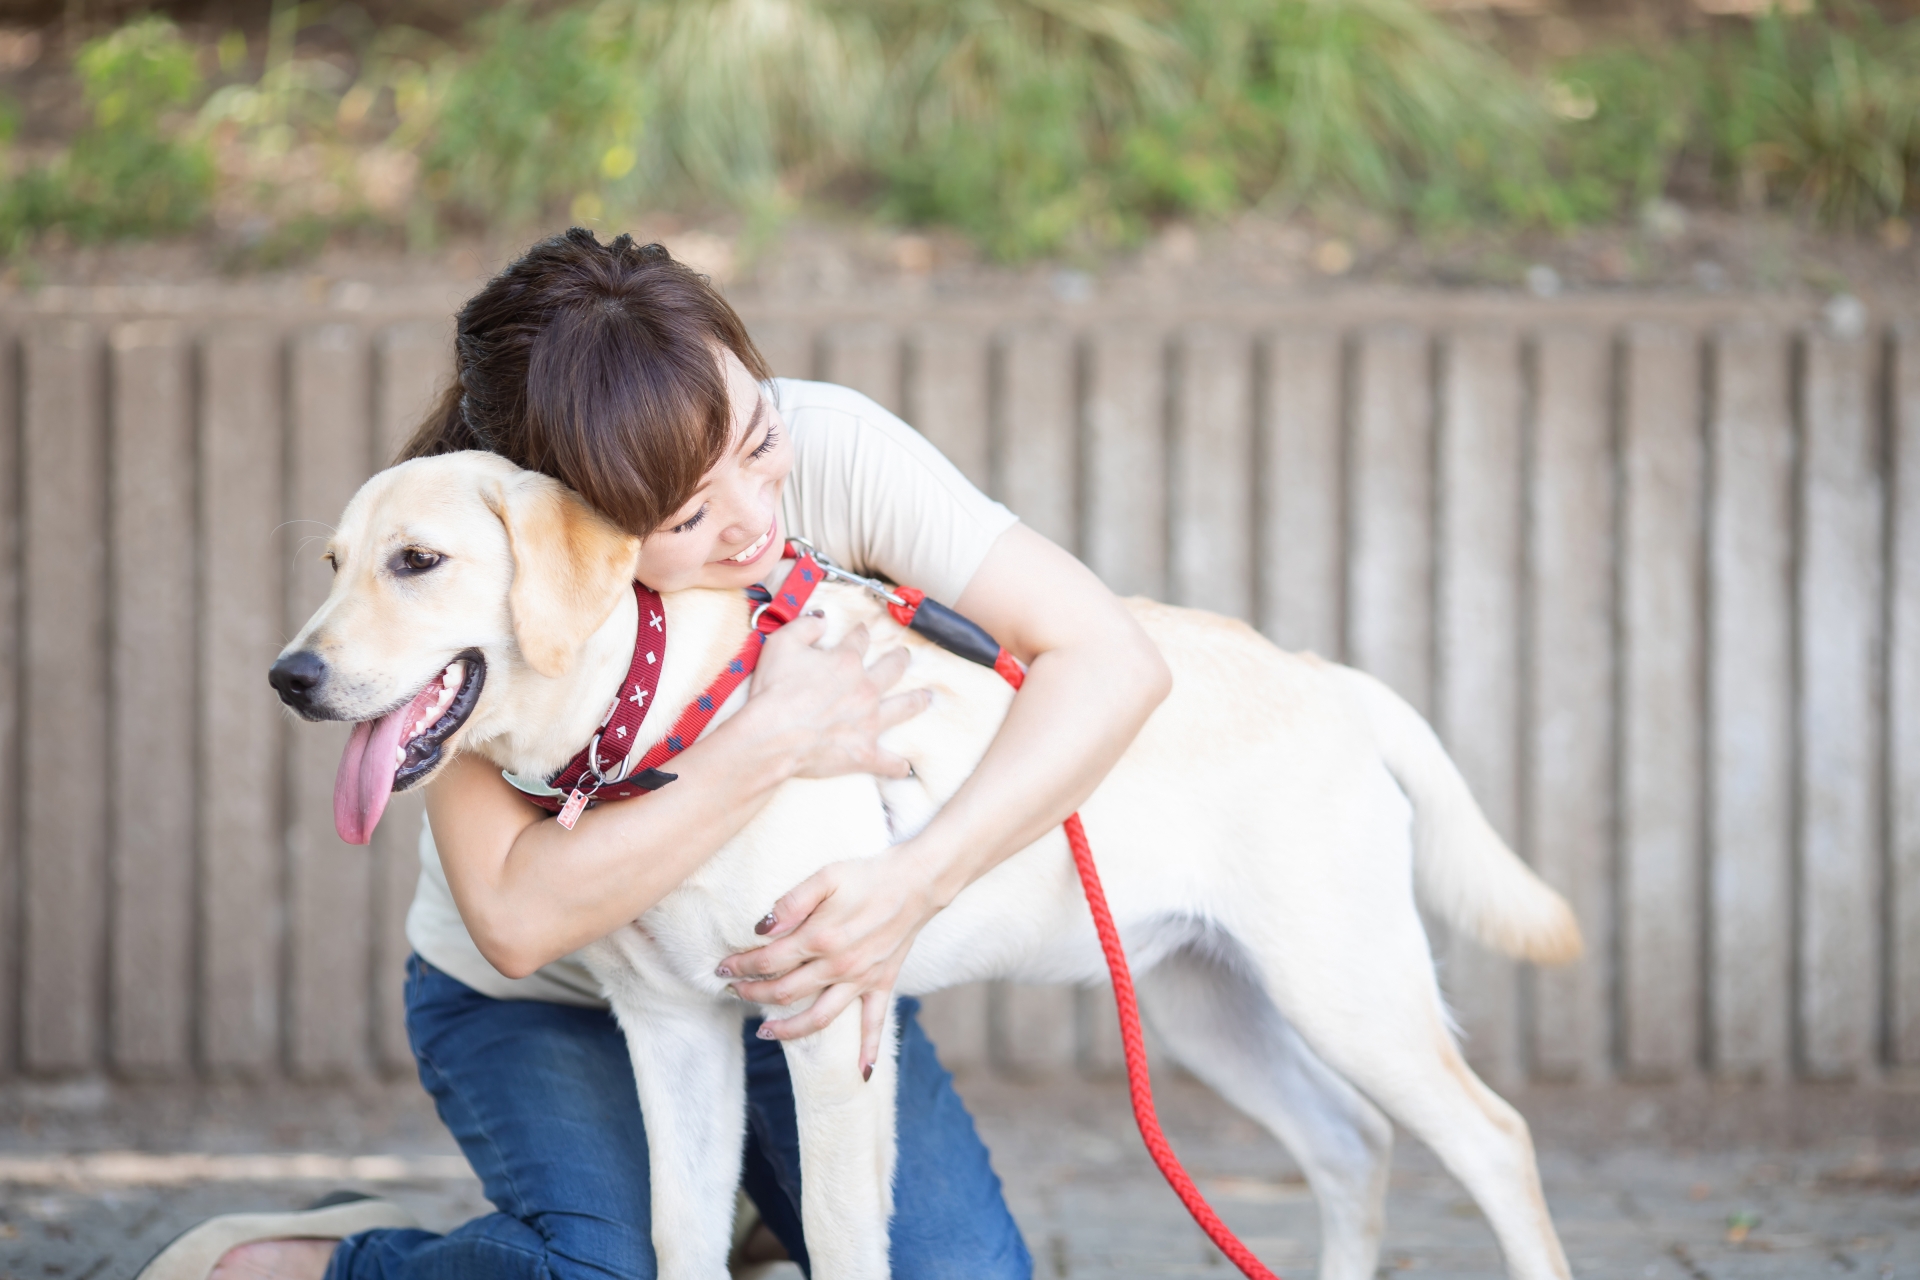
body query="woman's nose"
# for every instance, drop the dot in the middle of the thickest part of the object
(748, 511)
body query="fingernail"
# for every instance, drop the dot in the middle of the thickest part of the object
(736, 992)
(866, 1073)
(765, 926)
(815, 613)
(765, 1032)
(724, 971)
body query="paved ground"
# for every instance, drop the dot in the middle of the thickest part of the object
(1685, 1184)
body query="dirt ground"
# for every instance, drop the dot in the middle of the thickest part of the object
(1669, 251)
(1690, 1183)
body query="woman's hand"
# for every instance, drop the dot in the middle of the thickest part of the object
(841, 935)
(830, 702)
(1093, 677)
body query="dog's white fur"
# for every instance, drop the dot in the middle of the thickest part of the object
(1261, 843)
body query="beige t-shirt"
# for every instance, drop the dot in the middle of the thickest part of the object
(871, 494)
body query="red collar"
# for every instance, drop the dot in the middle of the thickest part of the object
(584, 777)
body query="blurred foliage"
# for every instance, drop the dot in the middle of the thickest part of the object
(129, 172)
(1818, 112)
(545, 112)
(1036, 126)
(1826, 116)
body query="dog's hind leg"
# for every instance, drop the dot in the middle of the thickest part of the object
(1214, 1017)
(1361, 992)
(691, 1071)
(846, 1130)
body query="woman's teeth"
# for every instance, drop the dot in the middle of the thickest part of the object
(450, 681)
(754, 550)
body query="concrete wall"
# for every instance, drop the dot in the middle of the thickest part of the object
(1652, 568)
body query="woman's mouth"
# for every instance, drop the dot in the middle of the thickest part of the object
(756, 550)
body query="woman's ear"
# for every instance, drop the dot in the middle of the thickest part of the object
(570, 565)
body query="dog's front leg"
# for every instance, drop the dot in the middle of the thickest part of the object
(846, 1147)
(691, 1073)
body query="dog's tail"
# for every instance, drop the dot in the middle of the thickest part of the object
(1462, 868)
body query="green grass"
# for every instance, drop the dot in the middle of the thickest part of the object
(1035, 126)
(1817, 113)
(127, 173)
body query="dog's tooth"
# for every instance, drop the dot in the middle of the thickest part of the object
(399, 755)
(450, 678)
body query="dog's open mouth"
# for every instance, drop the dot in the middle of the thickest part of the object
(392, 752)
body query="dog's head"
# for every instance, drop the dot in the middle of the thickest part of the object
(444, 568)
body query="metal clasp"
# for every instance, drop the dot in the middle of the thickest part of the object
(834, 571)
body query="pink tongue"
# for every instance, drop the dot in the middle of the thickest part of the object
(367, 766)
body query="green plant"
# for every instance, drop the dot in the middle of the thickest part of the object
(130, 171)
(1007, 116)
(1625, 118)
(638, 102)
(1375, 102)
(750, 98)
(1821, 109)
(1030, 122)
(541, 112)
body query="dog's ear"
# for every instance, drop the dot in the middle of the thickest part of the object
(569, 566)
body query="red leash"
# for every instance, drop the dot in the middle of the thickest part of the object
(910, 607)
(907, 612)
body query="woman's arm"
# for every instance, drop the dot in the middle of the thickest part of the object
(531, 891)
(1093, 678)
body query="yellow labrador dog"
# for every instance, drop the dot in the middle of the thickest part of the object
(1262, 842)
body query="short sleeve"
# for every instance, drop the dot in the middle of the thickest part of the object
(873, 494)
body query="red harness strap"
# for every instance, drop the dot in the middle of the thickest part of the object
(583, 778)
(783, 607)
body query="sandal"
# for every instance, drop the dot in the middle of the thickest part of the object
(195, 1252)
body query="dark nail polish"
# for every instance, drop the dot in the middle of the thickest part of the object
(866, 1073)
(766, 924)
(723, 971)
(765, 1033)
(816, 613)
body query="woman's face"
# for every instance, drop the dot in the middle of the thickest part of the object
(728, 534)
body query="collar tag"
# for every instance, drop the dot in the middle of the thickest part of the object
(570, 811)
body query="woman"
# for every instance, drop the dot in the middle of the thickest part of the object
(624, 375)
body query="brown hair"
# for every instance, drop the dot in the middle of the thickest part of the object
(595, 364)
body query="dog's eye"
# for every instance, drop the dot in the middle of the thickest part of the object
(416, 560)
(332, 560)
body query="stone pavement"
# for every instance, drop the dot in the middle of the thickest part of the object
(1684, 1183)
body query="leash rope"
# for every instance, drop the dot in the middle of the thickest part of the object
(910, 607)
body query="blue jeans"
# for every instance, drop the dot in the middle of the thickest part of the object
(541, 1099)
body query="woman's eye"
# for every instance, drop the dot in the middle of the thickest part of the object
(766, 446)
(691, 521)
(416, 560)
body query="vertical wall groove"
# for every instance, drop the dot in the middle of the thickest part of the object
(12, 691)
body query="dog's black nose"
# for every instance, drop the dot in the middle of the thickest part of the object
(296, 676)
